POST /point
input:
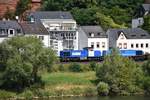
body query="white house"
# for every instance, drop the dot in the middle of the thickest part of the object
(62, 29)
(94, 37)
(132, 39)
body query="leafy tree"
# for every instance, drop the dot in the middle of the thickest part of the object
(22, 6)
(107, 22)
(86, 18)
(146, 70)
(9, 14)
(121, 74)
(119, 12)
(146, 24)
(22, 57)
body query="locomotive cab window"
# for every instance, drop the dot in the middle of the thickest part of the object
(66, 53)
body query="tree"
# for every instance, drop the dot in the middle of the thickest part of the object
(119, 12)
(146, 24)
(107, 22)
(22, 6)
(9, 14)
(22, 58)
(121, 74)
(146, 70)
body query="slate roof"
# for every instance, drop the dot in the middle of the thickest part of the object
(9, 24)
(96, 30)
(131, 33)
(51, 15)
(34, 28)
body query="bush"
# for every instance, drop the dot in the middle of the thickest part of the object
(103, 89)
(122, 74)
(61, 67)
(27, 94)
(5, 94)
(75, 67)
(93, 66)
(147, 85)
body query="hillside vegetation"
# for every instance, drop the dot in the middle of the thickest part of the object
(107, 13)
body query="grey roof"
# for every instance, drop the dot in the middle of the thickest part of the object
(96, 30)
(34, 28)
(146, 7)
(51, 15)
(9, 24)
(130, 33)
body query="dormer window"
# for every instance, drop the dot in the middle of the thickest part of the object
(143, 35)
(91, 34)
(133, 35)
(122, 35)
(11, 32)
(98, 34)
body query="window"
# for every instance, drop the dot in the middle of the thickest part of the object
(98, 34)
(11, 32)
(137, 45)
(122, 36)
(132, 46)
(97, 45)
(41, 37)
(92, 35)
(142, 45)
(120, 45)
(103, 44)
(92, 44)
(146, 45)
(125, 45)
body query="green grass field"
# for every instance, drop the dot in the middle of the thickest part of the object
(68, 83)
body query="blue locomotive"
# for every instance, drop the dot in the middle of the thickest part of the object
(87, 54)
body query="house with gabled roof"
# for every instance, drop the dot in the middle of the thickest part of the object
(131, 39)
(36, 29)
(94, 37)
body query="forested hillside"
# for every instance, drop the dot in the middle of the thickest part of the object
(107, 13)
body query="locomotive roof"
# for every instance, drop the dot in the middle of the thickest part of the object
(96, 30)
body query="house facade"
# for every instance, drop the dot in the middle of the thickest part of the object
(62, 28)
(95, 38)
(9, 29)
(131, 39)
(36, 29)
